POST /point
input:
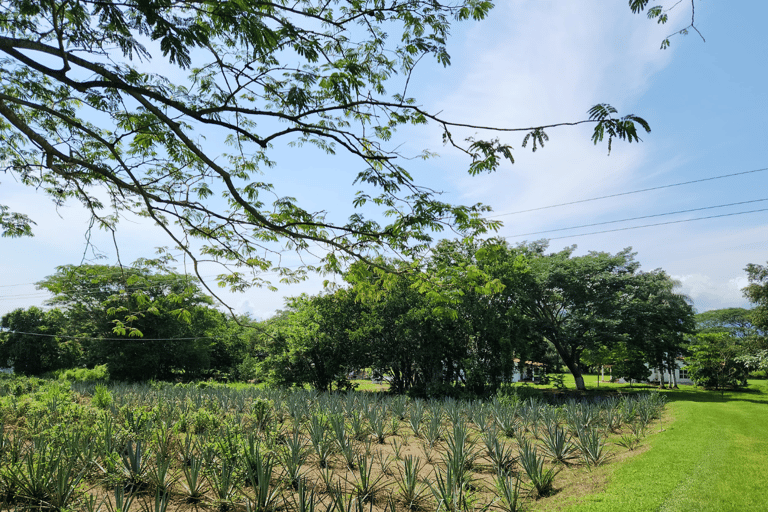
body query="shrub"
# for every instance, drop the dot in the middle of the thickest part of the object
(96, 373)
(102, 398)
(510, 394)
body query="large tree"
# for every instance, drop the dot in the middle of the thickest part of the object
(144, 321)
(600, 301)
(125, 105)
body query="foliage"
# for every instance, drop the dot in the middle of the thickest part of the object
(757, 293)
(313, 341)
(143, 321)
(714, 361)
(97, 373)
(580, 303)
(125, 105)
(31, 344)
(102, 398)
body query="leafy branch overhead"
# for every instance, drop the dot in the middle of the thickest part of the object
(126, 106)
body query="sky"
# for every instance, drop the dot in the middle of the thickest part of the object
(537, 62)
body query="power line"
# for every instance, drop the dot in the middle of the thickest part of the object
(639, 218)
(657, 224)
(629, 193)
(25, 297)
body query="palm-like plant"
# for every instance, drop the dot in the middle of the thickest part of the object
(508, 490)
(557, 444)
(412, 491)
(533, 464)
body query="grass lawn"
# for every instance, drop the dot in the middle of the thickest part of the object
(713, 456)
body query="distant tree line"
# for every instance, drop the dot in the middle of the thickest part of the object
(464, 319)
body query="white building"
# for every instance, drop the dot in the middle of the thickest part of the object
(679, 375)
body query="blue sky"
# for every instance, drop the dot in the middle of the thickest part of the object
(535, 62)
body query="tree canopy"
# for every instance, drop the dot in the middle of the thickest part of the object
(142, 321)
(125, 105)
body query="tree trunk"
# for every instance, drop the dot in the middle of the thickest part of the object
(571, 363)
(661, 375)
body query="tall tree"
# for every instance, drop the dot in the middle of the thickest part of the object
(83, 117)
(574, 301)
(144, 321)
(736, 321)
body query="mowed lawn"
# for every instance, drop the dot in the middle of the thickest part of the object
(713, 455)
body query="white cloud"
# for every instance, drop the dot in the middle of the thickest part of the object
(712, 293)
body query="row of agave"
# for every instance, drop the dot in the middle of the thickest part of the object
(158, 447)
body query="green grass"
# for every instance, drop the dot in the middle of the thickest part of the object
(713, 456)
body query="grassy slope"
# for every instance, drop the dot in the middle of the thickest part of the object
(714, 456)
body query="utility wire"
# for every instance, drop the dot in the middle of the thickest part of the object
(638, 218)
(629, 193)
(657, 224)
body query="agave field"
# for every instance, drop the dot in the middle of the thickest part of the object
(157, 447)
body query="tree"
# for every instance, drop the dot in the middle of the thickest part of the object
(313, 341)
(599, 302)
(736, 321)
(144, 321)
(757, 293)
(715, 362)
(656, 320)
(83, 118)
(36, 342)
(574, 301)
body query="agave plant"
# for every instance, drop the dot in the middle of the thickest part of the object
(160, 474)
(158, 503)
(223, 479)
(629, 441)
(398, 406)
(122, 501)
(533, 464)
(321, 442)
(134, 464)
(357, 425)
(367, 484)
(451, 493)
(433, 429)
(592, 447)
(293, 457)
(459, 453)
(506, 421)
(304, 500)
(376, 422)
(193, 478)
(557, 444)
(412, 491)
(502, 455)
(415, 417)
(259, 474)
(44, 477)
(508, 491)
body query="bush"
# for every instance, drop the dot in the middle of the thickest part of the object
(96, 373)
(509, 394)
(102, 398)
